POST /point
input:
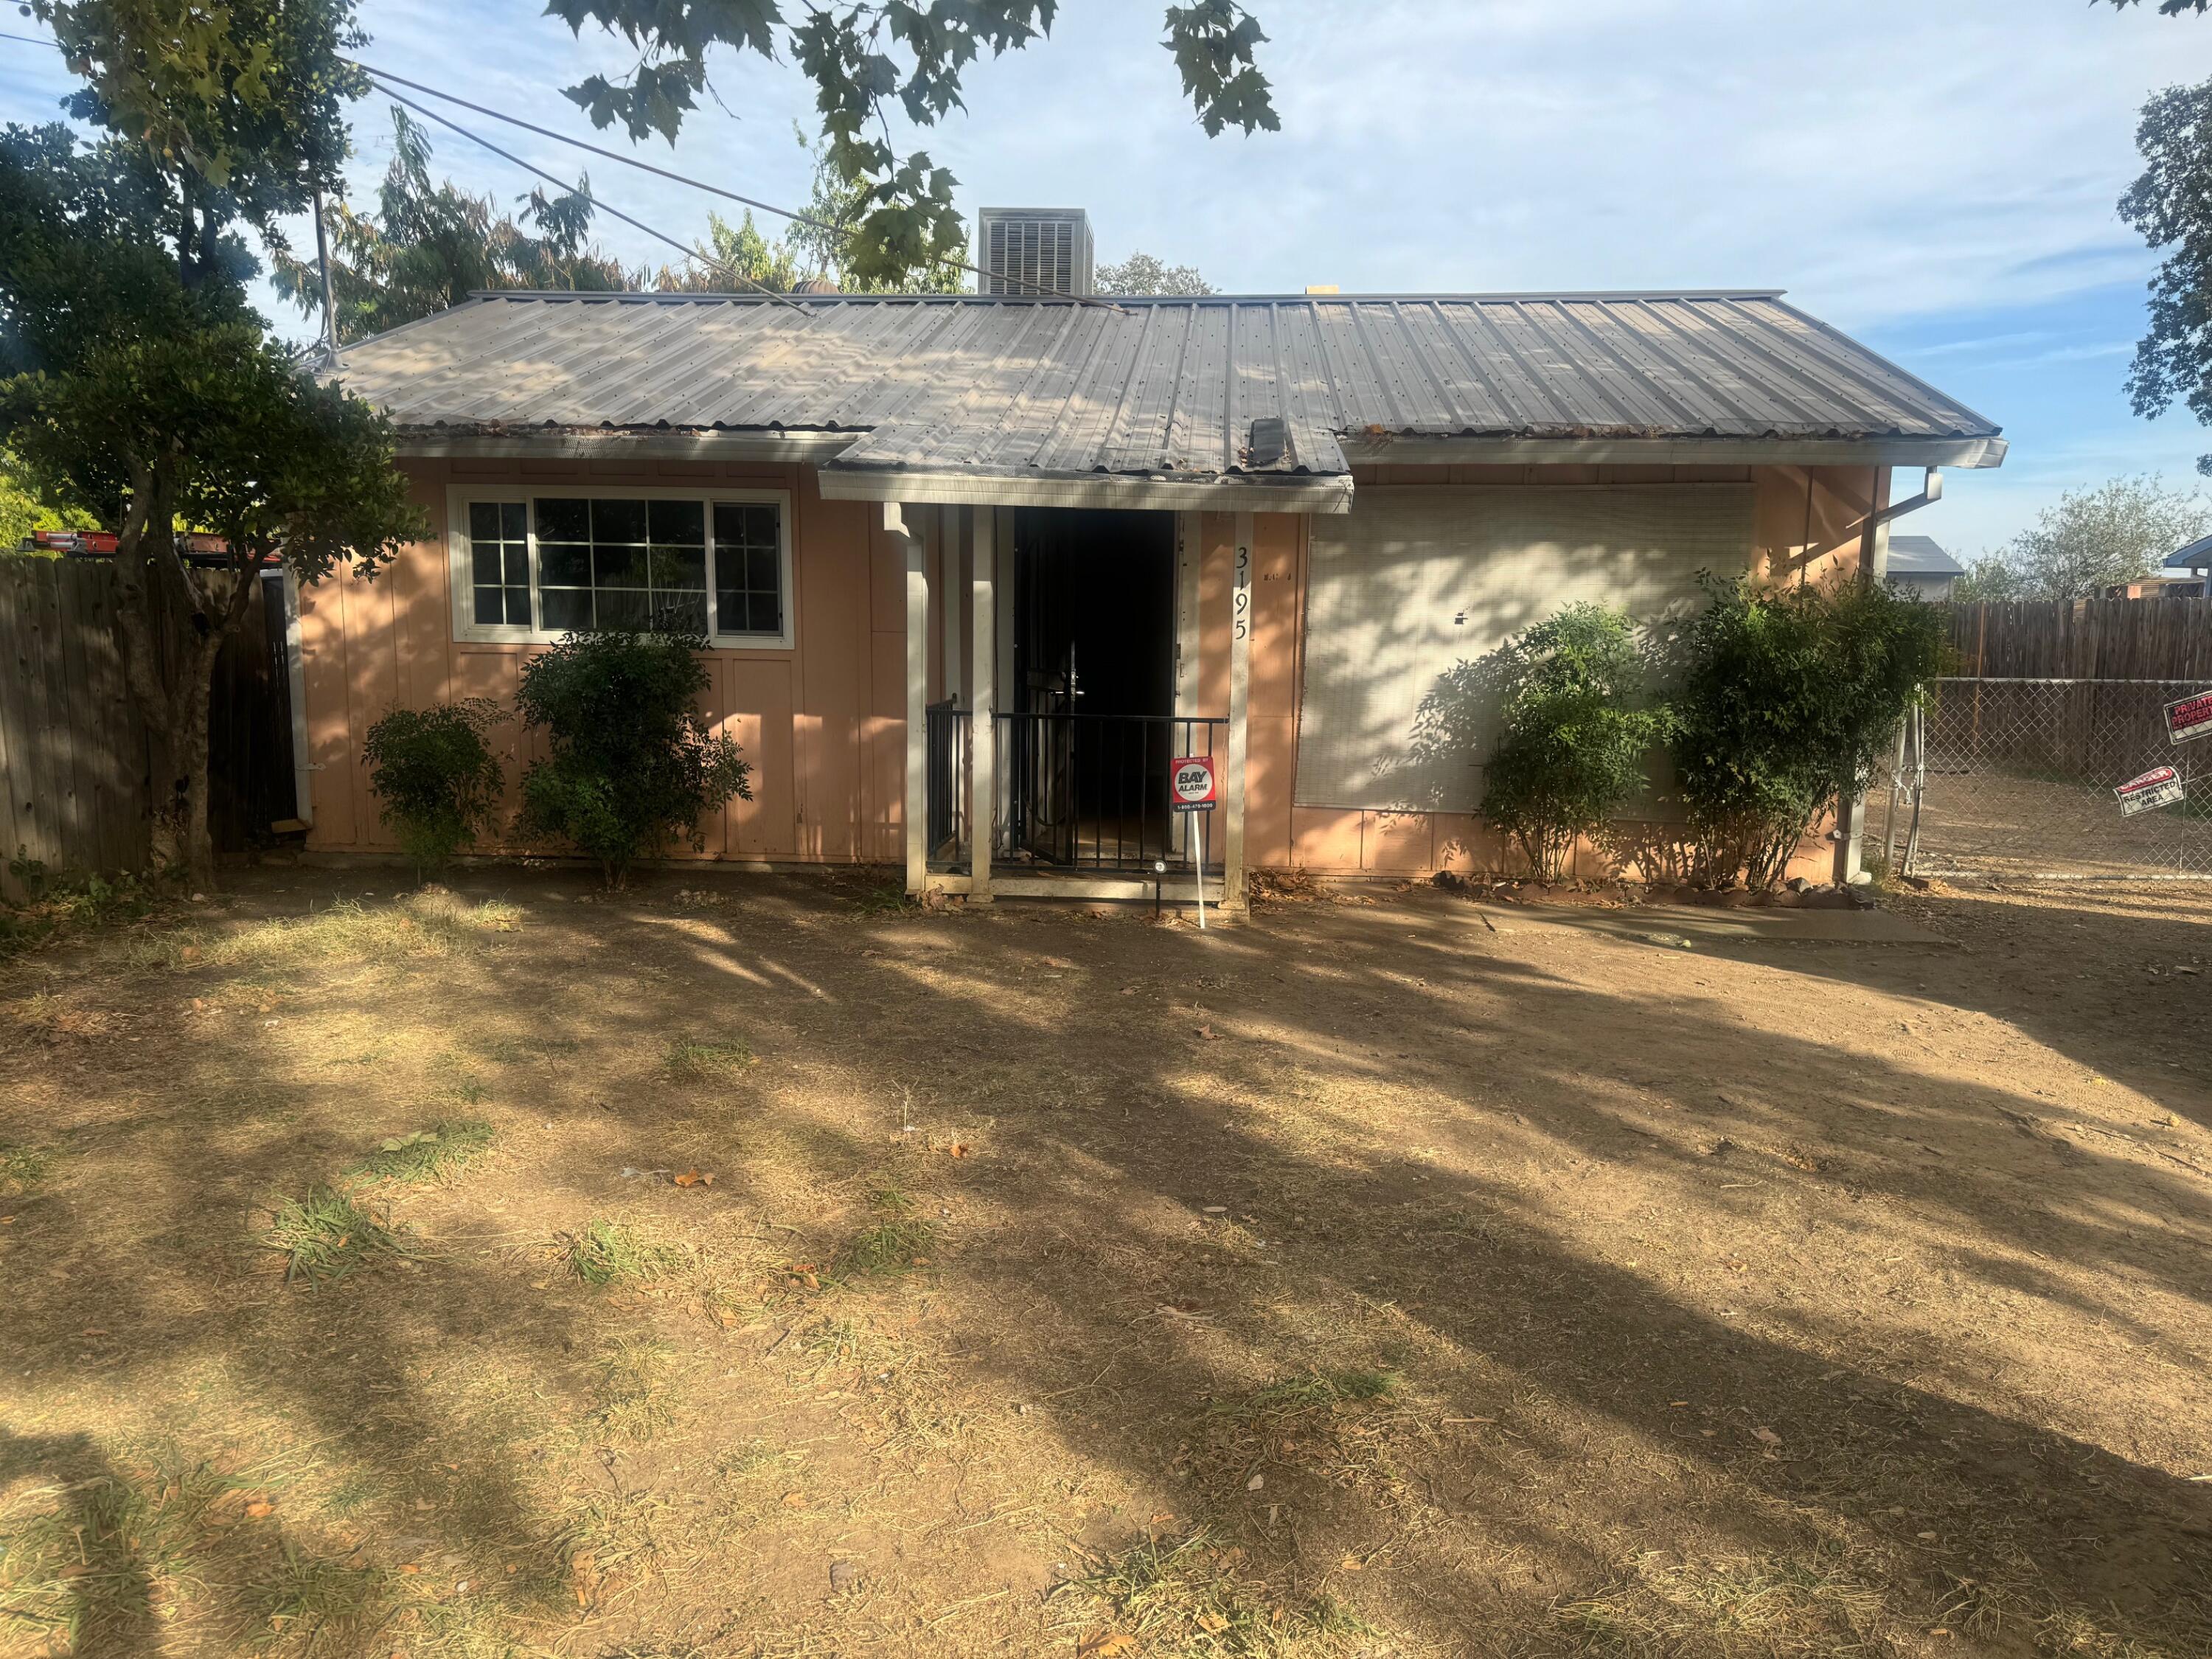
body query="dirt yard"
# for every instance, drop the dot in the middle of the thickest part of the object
(751, 1267)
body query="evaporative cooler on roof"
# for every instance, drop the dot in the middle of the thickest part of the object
(1033, 252)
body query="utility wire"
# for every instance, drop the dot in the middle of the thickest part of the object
(684, 248)
(383, 76)
(806, 219)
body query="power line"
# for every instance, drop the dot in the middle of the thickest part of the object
(684, 248)
(713, 190)
(386, 75)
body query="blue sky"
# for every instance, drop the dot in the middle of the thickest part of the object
(1936, 179)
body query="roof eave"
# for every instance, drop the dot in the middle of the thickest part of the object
(1873, 449)
(1225, 493)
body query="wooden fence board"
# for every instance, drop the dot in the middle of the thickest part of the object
(78, 785)
(2086, 639)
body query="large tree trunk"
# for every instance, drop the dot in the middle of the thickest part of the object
(155, 590)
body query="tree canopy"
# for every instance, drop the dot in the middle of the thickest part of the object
(871, 57)
(2089, 541)
(429, 244)
(1142, 273)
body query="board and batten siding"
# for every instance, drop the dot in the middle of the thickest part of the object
(824, 720)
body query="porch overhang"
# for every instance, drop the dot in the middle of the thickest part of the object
(1228, 493)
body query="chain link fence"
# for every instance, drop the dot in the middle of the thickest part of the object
(2015, 777)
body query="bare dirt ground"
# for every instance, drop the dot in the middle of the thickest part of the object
(1371, 1280)
(1992, 822)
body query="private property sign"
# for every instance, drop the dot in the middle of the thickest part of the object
(2189, 718)
(2160, 787)
(1192, 784)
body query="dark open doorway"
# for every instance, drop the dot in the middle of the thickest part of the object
(1094, 687)
(1094, 627)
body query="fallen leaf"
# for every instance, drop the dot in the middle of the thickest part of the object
(693, 1178)
(958, 1149)
(409, 1567)
(1766, 1437)
(1351, 1563)
(1255, 1483)
(1102, 1644)
(259, 1509)
(794, 1500)
(1212, 1623)
(1207, 1033)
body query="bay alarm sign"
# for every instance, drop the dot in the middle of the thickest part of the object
(2160, 787)
(1193, 785)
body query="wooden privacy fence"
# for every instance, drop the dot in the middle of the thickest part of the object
(78, 780)
(2084, 640)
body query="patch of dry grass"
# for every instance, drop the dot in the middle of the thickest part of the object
(424, 926)
(1188, 1597)
(615, 1250)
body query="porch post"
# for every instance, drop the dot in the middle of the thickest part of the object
(917, 695)
(1240, 687)
(982, 790)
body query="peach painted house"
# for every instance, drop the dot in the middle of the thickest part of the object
(1109, 532)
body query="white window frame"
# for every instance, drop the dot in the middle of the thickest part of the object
(460, 564)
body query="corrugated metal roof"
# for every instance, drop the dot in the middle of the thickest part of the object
(1155, 388)
(1921, 555)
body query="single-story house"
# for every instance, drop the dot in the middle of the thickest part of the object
(1282, 531)
(2187, 571)
(1919, 566)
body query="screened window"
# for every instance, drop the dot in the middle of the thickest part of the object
(499, 554)
(748, 568)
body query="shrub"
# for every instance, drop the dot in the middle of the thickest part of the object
(1784, 696)
(436, 775)
(632, 765)
(1573, 741)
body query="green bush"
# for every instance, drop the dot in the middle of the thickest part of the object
(632, 765)
(435, 774)
(1573, 740)
(1783, 697)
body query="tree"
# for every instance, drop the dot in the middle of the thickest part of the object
(22, 511)
(866, 57)
(428, 245)
(1989, 580)
(239, 106)
(2093, 539)
(149, 396)
(739, 256)
(822, 248)
(1140, 274)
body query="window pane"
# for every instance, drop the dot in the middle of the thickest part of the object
(618, 566)
(491, 606)
(564, 564)
(679, 521)
(618, 521)
(483, 521)
(681, 613)
(624, 607)
(484, 559)
(761, 569)
(566, 608)
(679, 567)
(518, 564)
(514, 520)
(563, 520)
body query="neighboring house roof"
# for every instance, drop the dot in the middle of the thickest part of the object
(953, 387)
(1920, 556)
(2197, 556)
